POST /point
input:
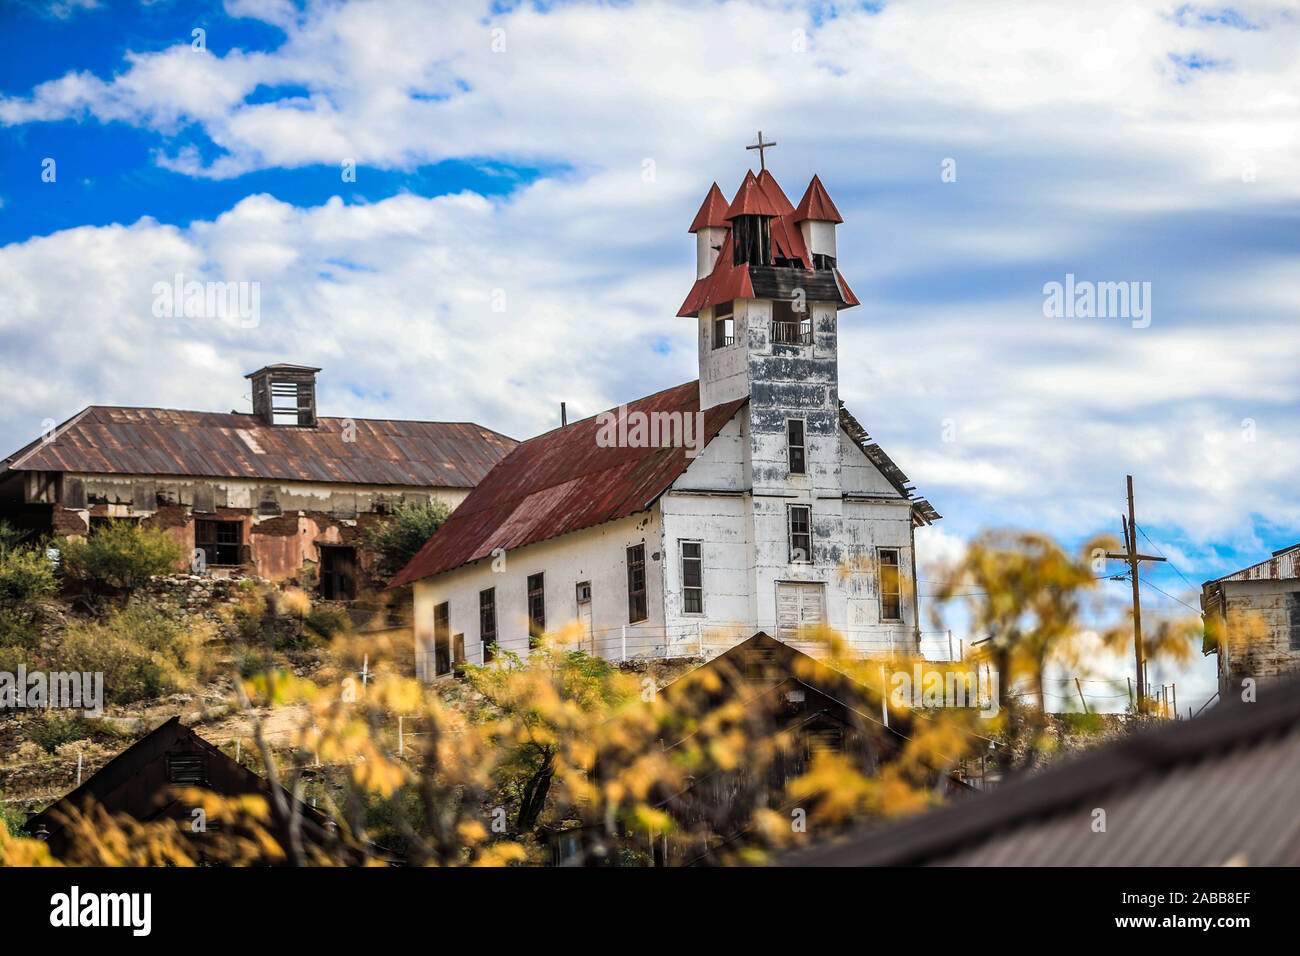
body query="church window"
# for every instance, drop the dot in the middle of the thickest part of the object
(795, 445)
(800, 534)
(891, 587)
(536, 609)
(636, 599)
(692, 578)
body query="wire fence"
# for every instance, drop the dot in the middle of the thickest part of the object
(700, 641)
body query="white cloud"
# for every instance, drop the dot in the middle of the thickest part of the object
(1071, 123)
(396, 83)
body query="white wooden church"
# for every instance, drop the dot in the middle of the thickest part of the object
(683, 522)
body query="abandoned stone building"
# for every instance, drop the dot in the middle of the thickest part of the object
(1252, 621)
(748, 500)
(279, 492)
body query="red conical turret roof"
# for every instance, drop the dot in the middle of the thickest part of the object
(752, 200)
(816, 204)
(778, 198)
(713, 212)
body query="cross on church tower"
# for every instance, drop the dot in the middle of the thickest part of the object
(760, 146)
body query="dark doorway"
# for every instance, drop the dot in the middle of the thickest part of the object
(338, 573)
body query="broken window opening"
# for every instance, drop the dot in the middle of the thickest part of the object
(291, 404)
(536, 609)
(442, 639)
(338, 573)
(74, 494)
(751, 240)
(269, 503)
(219, 541)
(636, 597)
(891, 585)
(205, 499)
(724, 327)
(487, 621)
(800, 534)
(791, 326)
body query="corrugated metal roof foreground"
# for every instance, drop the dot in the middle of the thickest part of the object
(161, 441)
(1214, 790)
(563, 481)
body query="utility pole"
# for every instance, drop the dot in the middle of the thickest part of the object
(1132, 557)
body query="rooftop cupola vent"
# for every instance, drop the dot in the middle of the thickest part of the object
(285, 395)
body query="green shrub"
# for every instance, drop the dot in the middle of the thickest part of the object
(18, 631)
(253, 662)
(26, 577)
(50, 731)
(12, 818)
(118, 557)
(325, 622)
(11, 537)
(140, 650)
(396, 541)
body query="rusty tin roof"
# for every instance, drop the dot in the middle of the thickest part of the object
(563, 481)
(162, 441)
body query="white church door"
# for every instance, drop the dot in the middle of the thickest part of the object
(799, 604)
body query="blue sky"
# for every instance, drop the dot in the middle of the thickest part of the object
(549, 158)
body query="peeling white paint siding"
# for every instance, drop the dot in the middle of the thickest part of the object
(598, 555)
(724, 372)
(710, 503)
(818, 236)
(1262, 625)
(707, 243)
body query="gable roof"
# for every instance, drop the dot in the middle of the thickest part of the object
(770, 666)
(133, 781)
(1194, 793)
(923, 513)
(563, 481)
(160, 441)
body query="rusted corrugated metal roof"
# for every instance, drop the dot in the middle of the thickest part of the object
(1217, 789)
(1282, 565)
(563, 481)
(162, 441)
(758, 195)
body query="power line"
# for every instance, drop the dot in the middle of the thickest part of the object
(1172, 598)
(1167, 561)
